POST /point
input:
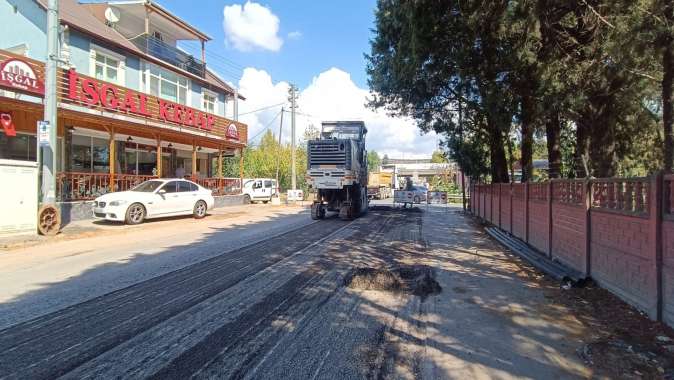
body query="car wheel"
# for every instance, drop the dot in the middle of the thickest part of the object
(246, 199)
(135, 214)
(265, 202)
(200, 209)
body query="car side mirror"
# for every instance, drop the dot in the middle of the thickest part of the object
(161, 192)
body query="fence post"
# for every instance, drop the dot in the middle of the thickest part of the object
(655, 212)
(526, 211)
(550, 218)
(587, 197)
(511, 207)
(500, 185)
(491, 203)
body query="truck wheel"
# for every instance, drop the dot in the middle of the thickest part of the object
(345, 213)
(317, 211)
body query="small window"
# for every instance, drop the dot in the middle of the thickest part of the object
(267, 184)
(184, 187)
(107, 68)
(209, 102)
(171, 187)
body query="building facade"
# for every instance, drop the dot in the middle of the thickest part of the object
(131, 104)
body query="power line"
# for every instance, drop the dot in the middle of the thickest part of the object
(266, 127)
(263, 108)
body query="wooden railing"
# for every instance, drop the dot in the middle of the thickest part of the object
(221, 186)
(74, 186)
(81, 186)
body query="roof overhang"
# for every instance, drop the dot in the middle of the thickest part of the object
(156, 10)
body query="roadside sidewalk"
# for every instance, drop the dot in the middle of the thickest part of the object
(83, 229)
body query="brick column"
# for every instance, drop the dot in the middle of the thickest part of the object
(587, 198)
(550, 218)
(526, 211)
(655, 233)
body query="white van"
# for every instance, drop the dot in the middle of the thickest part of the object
(259, 189)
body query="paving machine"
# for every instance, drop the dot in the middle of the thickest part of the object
(337, 169)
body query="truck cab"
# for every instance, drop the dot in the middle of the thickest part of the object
(259, 189)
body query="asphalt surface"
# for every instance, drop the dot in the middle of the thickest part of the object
(280, 308)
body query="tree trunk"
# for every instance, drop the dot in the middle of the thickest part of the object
(553, 131)
(667, 78)
(582, 152)
(527, 161)
(499, 162)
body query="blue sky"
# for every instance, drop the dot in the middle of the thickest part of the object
(333, 34)
(318, 45)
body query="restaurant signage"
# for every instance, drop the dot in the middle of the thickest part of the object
(232, 132)
(109, 96)
(18, 74)
(7, 124)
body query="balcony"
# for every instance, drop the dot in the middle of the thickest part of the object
(169, 54)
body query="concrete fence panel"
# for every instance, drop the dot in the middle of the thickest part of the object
(506, 204)
(539, 218)
(569, 224)
(623, 250)
(519, 227)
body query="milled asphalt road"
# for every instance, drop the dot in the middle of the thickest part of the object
(279, 308)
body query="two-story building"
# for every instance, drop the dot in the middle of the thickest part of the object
(132, 105)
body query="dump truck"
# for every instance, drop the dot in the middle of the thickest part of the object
(337, 169)
(379, 185)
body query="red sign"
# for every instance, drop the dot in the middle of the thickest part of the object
(7, 124)
(232, 132)
(109, 96)
(18, 74)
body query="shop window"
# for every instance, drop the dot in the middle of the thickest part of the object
(210, 102)
(107, 66)
(168, 85)
(20, 147)
(89, 155)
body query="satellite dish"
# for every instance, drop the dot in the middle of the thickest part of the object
(112, 15)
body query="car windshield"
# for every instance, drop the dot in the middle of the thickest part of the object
(148, 186)
(341, 132)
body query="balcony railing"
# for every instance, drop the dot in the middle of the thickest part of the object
(169, 54)
(221, 186)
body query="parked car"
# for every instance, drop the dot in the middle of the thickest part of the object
(154, 199)
(259, 190)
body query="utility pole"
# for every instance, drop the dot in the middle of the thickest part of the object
(48, 152)
(293, 106)
(278, 156)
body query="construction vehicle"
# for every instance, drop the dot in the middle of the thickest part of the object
(337, 170)
(379, 185)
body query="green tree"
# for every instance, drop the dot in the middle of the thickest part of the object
(438, 157)
(373, 161)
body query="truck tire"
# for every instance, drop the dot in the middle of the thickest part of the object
(317, 211)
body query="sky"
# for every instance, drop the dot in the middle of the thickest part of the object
(319, 46)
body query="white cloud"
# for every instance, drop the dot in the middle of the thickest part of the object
(295, 35)
(251, 26)
(332, 95)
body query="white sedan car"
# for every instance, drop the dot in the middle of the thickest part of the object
(155, 199)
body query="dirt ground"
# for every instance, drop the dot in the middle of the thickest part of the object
(622, 342)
